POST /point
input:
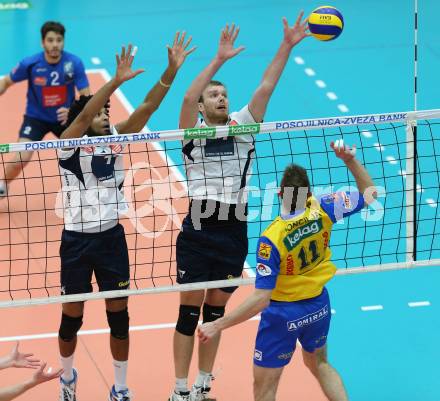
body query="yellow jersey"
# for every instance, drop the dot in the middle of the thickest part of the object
(293, 254)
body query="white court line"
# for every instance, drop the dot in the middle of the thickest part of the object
(343, 108)
(371, 308)
(299, 60)
(320, 83)
(310, 72)
(431, 202)
(379, 147)
(391, 160)
(419, 303)
(146, 327)
(331, 95)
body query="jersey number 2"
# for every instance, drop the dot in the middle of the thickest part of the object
(54, 76)
(313, 248)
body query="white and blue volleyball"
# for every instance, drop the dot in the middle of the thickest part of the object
(326, 23)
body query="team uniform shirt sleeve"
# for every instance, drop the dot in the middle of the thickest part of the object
(342, 204)
(64, 154)
(243, 116)
(81, 80)
(268, 264)
(20, 72)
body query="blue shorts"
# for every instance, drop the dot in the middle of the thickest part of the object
(283, 323)
(104, 254)
(34, 129)
(214, 253)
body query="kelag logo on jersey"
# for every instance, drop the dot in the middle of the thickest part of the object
(306, 231)
(248, 129)
(4, 148)
(199, 133)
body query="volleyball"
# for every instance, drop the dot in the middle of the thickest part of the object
(326, 23)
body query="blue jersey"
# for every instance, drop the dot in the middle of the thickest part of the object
(50, 86)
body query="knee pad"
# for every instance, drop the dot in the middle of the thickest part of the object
(188, 319)
(118, 323)
(69, 327)
(211, 313)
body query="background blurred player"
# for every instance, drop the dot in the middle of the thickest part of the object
(93, 240)
(293, 266)
(213, 243)
(52, 77)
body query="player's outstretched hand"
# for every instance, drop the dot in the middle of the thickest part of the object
(42, 375)
(226, 47)
(296, 33)
(18, 360)
(344, 152)
(177, 53)
(124, 62)
(206, 331)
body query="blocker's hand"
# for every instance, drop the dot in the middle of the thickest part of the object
(296, 33)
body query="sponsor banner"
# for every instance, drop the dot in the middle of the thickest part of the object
(337, 121)
(248, 129)
(90, 141)
(14, 5)
(199, 133)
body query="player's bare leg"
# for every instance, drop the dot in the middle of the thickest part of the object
(208, 351)
(329, 379)
(183, 345)
(67, 340)
(117, 315)
(266, 382)
(215, 298)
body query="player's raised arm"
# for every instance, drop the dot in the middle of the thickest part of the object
(226, 50)
(98, 101)
(292, 36)
(363, 179)
(176, 57)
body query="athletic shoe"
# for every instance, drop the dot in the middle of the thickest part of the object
(199, 393)
(121, 395)
(68, 389)
(182, 396)
(3, 189)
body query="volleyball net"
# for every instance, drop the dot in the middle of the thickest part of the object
(401, 229)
